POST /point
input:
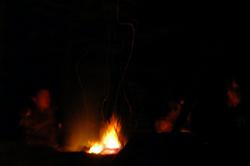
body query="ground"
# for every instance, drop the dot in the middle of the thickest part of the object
(142, 150)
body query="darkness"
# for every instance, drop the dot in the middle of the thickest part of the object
(180, 50)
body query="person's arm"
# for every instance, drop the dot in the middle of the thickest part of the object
(26, 118)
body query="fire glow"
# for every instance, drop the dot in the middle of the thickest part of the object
(110, 142)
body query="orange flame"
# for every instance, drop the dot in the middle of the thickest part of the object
(109, 142)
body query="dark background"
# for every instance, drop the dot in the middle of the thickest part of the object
(180, 50)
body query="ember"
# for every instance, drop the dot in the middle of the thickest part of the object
(110, 142)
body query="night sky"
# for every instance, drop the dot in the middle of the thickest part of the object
(80, 49)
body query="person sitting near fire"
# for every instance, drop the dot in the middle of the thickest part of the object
(169, 123)
(38, 121)
(221, 113)
(235, 118)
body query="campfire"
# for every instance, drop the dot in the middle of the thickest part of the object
(111, 140)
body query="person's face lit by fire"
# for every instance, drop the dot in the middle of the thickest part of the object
(233, 94)
(43, 99)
